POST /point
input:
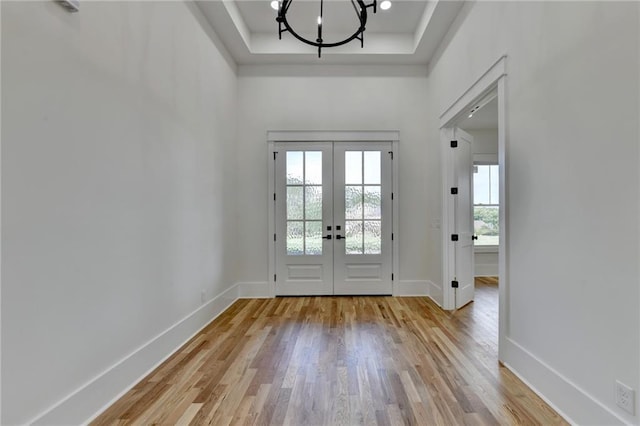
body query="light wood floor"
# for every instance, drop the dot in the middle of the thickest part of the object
(338, 361)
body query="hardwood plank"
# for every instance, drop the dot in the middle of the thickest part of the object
(189, 414)
(338, 360)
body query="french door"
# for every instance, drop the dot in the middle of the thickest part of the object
(333, 207)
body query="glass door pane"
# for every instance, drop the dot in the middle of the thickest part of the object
(304, 202)
(363, 203)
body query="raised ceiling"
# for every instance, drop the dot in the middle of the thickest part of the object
(408, 33)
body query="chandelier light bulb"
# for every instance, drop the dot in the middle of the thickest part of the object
(319, 20)
(385, 5)
(274, 5)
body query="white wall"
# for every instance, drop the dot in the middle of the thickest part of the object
(572, 187)
(118, 192)
(485, 262)
(485, 141)
(333, 98)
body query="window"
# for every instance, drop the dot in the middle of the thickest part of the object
(363, 202)
(304, 202)
(486, 204)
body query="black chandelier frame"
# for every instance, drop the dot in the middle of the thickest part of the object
(361, 12)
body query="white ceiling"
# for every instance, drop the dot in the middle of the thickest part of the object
(483, 119)
(408, 33)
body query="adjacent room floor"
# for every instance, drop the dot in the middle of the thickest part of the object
(339, 360)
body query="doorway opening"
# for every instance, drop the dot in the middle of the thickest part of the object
(332, 214)
(482, 125)
(474, 171)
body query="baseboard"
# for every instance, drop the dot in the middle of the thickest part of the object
(255, 290)
(564, 396)
(436, 294)
(406, 288)
(263, 289)
(91, 399)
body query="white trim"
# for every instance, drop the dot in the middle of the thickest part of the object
(407, 288)
(492, 79)
(434, 291)
(271, 203)
(332, 136)
(89, 400)
(579, 406)
(503, 222)
(323, 69)
(1, 237)
(395, 212)
(484, 85)
(255, 290)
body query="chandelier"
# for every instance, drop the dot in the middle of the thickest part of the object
(360, 8)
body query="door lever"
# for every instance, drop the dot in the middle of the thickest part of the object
(340, 237)
(328, 237)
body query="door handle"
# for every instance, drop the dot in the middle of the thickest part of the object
(328, 237)
(340, 237)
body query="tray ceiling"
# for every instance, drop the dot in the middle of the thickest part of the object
(408, 33)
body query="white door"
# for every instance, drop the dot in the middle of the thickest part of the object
(304, 212)
(333, 218)
(463, 218)
(362, 211)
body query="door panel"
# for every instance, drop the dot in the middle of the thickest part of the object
(304, 259)
(363, 209)
(463, 211)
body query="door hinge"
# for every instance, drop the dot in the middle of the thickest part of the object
(392, 236)
(274, 196)
(392, 196)
(391, 153)
(454, 237)
(275, 277)
(454, 144)
(274, 237)
(391, 277)
(275, 154)
(454, 284)
(454, 191)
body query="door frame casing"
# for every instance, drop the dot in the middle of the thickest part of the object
(493, 79)
(302, 136)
